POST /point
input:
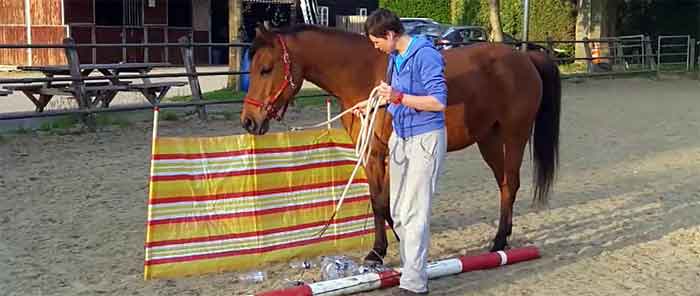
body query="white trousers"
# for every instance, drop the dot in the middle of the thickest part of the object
(414, 167)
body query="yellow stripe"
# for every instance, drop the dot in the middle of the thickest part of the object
(238, 165)
(265, 241)
(238, 206)
(165, 232)
(197, 145)
(216, 186)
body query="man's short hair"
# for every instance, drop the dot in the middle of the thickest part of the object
(382, 21)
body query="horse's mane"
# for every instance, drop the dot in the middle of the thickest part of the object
(297, 29)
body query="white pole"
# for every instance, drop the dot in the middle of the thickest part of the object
(28, 23)
(156, 110)
(526, 19)
(328, 112)
(390, 278)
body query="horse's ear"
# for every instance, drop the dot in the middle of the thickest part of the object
(263, 31)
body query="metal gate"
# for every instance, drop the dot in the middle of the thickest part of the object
(674, 53)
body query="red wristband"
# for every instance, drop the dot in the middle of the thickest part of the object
(398, 98)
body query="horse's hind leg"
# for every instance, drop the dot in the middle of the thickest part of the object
(504, 156)
(379, 189)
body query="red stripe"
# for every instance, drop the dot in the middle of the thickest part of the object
(482, 261)
(304, 290)
(257, 250)
(253, 171)
(254, 213)
(251, 193)
(389, 278)
(249, 151)
(253, 233)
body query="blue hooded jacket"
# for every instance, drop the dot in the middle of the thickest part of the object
(420, 74)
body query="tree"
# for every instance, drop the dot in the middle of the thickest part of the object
(495, 20)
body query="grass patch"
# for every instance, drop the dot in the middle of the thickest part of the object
(67, 122)
(572, 68)
(62, 123)
(111, 120)
(169, 116)
(225, 94)
(23, 131)
(305, 97)
(230, 115)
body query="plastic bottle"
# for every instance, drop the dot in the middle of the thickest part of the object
(335, 267)
(302, 264)
(253, 277)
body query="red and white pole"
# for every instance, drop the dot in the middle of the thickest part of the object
(372, 281)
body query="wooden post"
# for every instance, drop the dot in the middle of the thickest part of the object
(589, 61)
(78, 85)
(187, 52)
(293, 13)
(691, 52)
(550, 45)
(235, 17)
(649, 53)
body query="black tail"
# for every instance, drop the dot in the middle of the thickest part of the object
(545, 138)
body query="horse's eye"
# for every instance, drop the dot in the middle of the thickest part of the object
(265, 70)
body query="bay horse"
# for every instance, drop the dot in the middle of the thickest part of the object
(498, 98)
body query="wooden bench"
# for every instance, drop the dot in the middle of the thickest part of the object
(154, 92)
(47, 91)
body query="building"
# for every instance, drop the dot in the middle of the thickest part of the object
(147, 21)
(25, 21)
(329, 11)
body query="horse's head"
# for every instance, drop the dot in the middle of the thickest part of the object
(273, 82)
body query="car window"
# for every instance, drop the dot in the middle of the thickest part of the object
(478, 35)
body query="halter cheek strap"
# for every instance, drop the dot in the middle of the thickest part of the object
(268, 104)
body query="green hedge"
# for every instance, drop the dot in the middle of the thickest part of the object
(438, 10)
(553, 18)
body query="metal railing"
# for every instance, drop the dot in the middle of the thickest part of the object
(675, 53)
(603, 56)
(191, 73)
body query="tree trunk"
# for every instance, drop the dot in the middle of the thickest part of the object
(583, 25)
(495, 20)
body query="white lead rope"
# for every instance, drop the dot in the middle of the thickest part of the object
(363, 147)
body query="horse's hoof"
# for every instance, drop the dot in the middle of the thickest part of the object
(373, 259)
(373, 263)
(499, 247)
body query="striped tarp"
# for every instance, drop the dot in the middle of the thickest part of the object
(237, 202)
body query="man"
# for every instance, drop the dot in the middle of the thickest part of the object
(417, 97)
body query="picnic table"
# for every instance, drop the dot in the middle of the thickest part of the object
(94, 91)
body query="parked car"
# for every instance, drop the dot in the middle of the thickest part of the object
(410, 22)
(466, 35)
(432, 32)
(461, 35)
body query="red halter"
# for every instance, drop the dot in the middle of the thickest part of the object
(268, 104)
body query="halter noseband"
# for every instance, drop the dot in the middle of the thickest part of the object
(268, 104)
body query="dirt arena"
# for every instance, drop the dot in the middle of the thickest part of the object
(624, 218)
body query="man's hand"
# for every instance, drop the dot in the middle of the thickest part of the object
(384, 91)
(359, 108)
(387, 93)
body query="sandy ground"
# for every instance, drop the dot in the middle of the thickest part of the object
(623, 219)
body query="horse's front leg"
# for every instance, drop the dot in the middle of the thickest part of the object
(378, 179)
